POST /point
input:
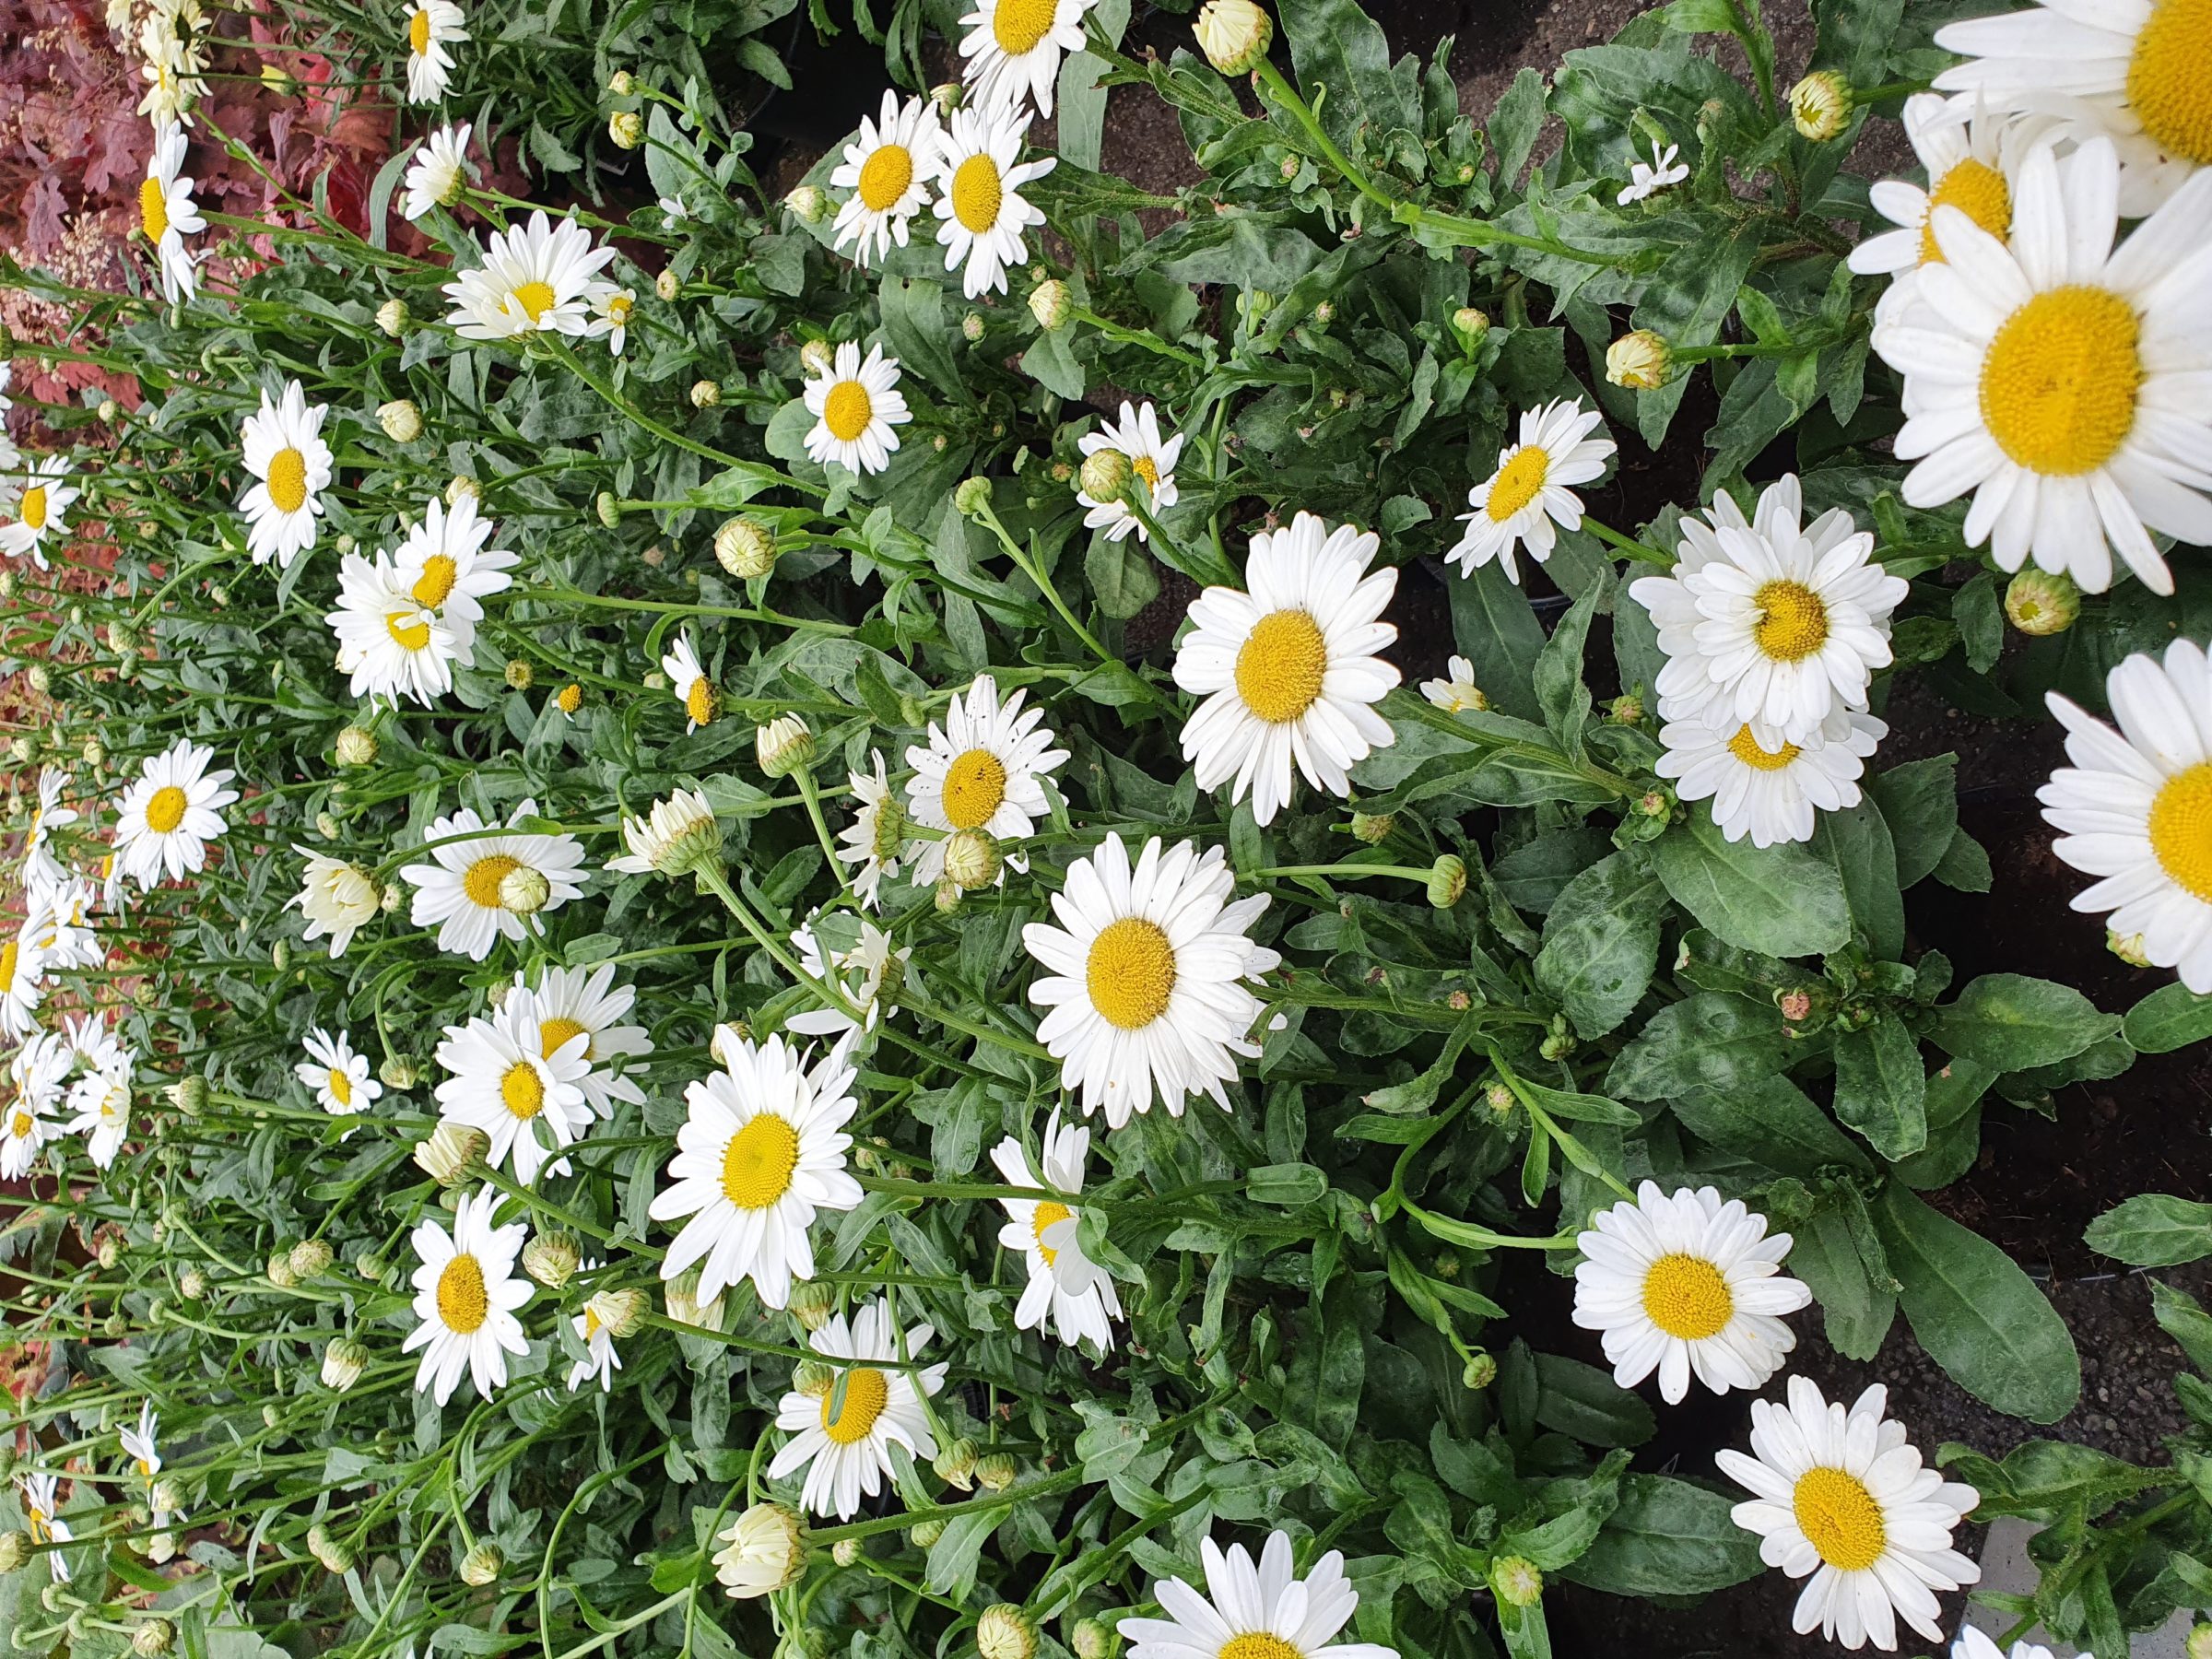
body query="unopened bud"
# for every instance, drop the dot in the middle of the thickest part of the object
(2042, 602)
(1372, 829)
(746, 547)
(1638, 361)
(626, 128)
(452, 1151)
(332, 1552)
(1447, 880)
(608, 506)
(1234, 35)
(971, 327)
(1471, 322)
(153, 1639)
(817, 356)
(808, 204)
(189, 1096)
(551, 1259)
(782, 746)
(813, 1378)
(396, 1071)
(520, 675)
(926, 1533)
(705, 394)
(1005, 1632)
(192, 1285)
(356, 747)
(311, 1257)
(1479, 1371)
(948, 96)
(393, 318)
(401, 420)
(462, 489)
(1090, 1638)
(342, 1362)
(947, 895)
(971, 859)
(667, 285)
(846, 1552)
(995, 1472)
(622, 84)
(280, 1270)
(812, 1302)
(1820, 105)
(1049, 303)
(2128, 948)
(972, 496)
(524, 890)
(1105, 475)
(482, 1565)
(15, 1549)
(110, 1251)
(1626, 709)
(955, 1465)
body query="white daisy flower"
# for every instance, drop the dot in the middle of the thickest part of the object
(337, 898)
(680, 836)
(389, 644)
(1769, 794)
(1841, 1496)
(40, 867)
(2129, 71)
(1457, 691)
(37, 1072)
(522, 1093)
(437, 171)
(1518, 504)
(22, 981)
(170, 813)
(611, 310)
(1649, 178)
(540, 277)
(1147, 993)
(1686, 1284)
(2060, 379)
(1151, 457)
(91, 1045)
(874, 840)
(689, 681)
(1263, 1611)
(1969, 154)
(140, 1446)
(1289, 671)
(335, 1075)
(888, 167)
(674, 206)
(58, 920)
(1973, 1644)
(1076, 1292)
(461, 891)
(466, 1297)
(843, 1438)
(102, 1100)
(171, 42)
(980, 176)
(855, 405)
(1769, 624)
(167, 214)
(595, 1327)
(862, 974)
(984, 769)
(283, 448)
(42, 1521)
(42, 508)
(762, 1149)
(446, 568)
(1013, 48)
(432, 26)
(586, 1002)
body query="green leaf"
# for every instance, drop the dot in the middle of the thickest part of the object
(1584, 1401)
(1561, 692)
(1666, 1537)
(2009, 1023)
(1515, 125)
(1770, 1121)
(2181, 1317)
(2046, 1481)
(1964, 865)
(1881, 1090)
(1122, 577)
(1337, 44)
(1709, 1040)
(1919, 802)
(1049, 360)
(1827, 1251)
(1777, 899)
(2152, 1229)
(1601, 943)
(916, 331)
(1857, 844)
(2171, 1017)
(1980, 1317)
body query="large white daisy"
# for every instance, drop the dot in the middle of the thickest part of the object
(1146, 977)
(467, 1294)
(983, 768)
(573, 1002)
(855, 406)
(1769, 794)
(1530, 491)
(888, 167)
(980, 176)
(460, 891)
(431, 27)
(22, 981)
(440, 168)
(167, 214)
(283, 448)
(874, 840)
(843, 1438)
(1252, 1611)
(445, 568)
(1065, 1285)
(1289, 671)
(44, 496)
(389, 644)
(1840, 1495)
(2059, 379)
(1135, 436)
(525, 1094)
(170, 813)
(539, 277)
(1013, 48)
(335, 1075)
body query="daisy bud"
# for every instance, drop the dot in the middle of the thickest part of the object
(356, 747)
(1472, 323)
(109, 1252)
(40, 678)
(1559, 1042)
(1447, 880)
(393, 318)
(746, 547)
(622, 84)
(705, 394)
(1479, 1373)
(620, 1312)
(95, 753)
(279, 1271)
(926, 1533)
(955, 1465)
(812, 1301)
(720, 1046)
(972, 858)
(782, 746)
(342, 1362)
(947, 895)
(626, 128)
(971, 327)
(678, 838)
(996, 1471)
(462, 488)
(482, 1565)
(1372, 829)
(1515, 1581)
(807, 204)
(813, 1378)
(1820, 105)
(2199, 1645)
(2128, 948)
(192, 1285)
(681, 1300)
(1105, 475)
(401, 420)
(948, 96)
(109, 411)
(1049, 304)
(2042, 602)
(846, 1552)
(520, 675)
(524, 890)
(1796, 1007)
(153, 1639)
(452, 1151)
(972, 496)
(334, 1555)
(817, 356)
(667, 285)
(764, 1550)
(1638, 361)
(1090, 1639)
(1234, 35)
(15, 1549)
(311, 1257)
(1003, 1632)
(569, 698)
(189, 1096)
(551, 1259)
(608, 506)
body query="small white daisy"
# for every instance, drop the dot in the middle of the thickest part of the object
(461, 891)
(445, 568)
(431, 27)
(1151, 457)
(41, 508)
(1064, 1284)
(437, 171)
(170, 813)
(22, 981)
(42, 1521)
(1969, 154)
(167, 214)
(283, 448)
(862, 974)
(1769, 794)
(1519, 503)
(1648, 178)
(337, 898)
(843, 1438)
(37, 1072)
(855, 406)
(980, 176)
(388, 643)
(335, 1075)
(101, 1100)
(612, 309)
(540, 277)
(1841, 1496)
(689, 681)
(58, 920)
(172, 44)
(1973, 1644)
(1146, 977)
(888, 167)
(1013, 48)
(48, 814)
(1457, 691)
(465, 1298)
(140, 1445)
(1252, 1611)
(874, 840)
(595, 1327)
(984, 769)
(1289, 671)
(586, 1002)
(526, 1095)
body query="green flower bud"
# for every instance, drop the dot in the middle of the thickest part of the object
(311, 1257)
(813, 1378)
(393, 318)
(356, 747)
(782, 746)
(1639, 360)
(1090, 1639)
(397, 1071)
(955, 1464)
(332, 1552)
(1049, 303)
(812, 1302)
(746, 547)
(1447, 880)
(1820, 105)
(192, 1285)
(153, 1639)
(971, 859)
(1372, 828)
(482, 1565)
(342, 1362)
(972, 496)
(1003, 1632)
(520, 675)
(1515, 1582)
(279, 1271)
(608, 506)
(947, 895)
(626, 128)
(1105, 475)
(808, 204)
(2040, 603)
(15, 1549)
(667, 285)
(1471, 322)
(461, 487)
(1479, 1373)
(924, 1534)
(847, 1552)
(705, 394)
(551, 1259)
(401, 420)
(622, 84)
(971, 327)
(996, 1471)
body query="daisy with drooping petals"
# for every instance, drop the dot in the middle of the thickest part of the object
(1289, 671)
(335, 1075)
(874, 840)
(41, 868)
(42, 1521)
(445, 568)
(1013, 48)
(1518, 504)
(860, 973)
(282, 446)
(595, 1327)
(1769, 794)
(172, 809)
(2131, 72)
(1146, 978)
(1768, 624)
(389, 644)
(980, 176)
(437, 171)
(1457, 691)
(1841, 1496)
(2059, 379)
(1686, 1284)
(983, 770)
(42, 507)
(680, 836)
(467, 892)
(611, 310)
(337, 898)
(1263, 1611)
(855, 406)
(1151, 457)
(1064, 1284)
(167, 214)
(37, 1072)
(432, 26)
(22, 981)
(102, 1100)
(573, 1002)
(843, 1438)
(888, 167)
(537, 278)
(139, 1444)
(1649, 178)
(1969, 153)
(690, 682)
(466, 1297)
(523, 1093)
(762, 1151)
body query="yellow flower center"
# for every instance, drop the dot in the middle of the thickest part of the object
(462, 1301)
(435, 585)
(1020, 25)
(1130, 972)
(1518, 482)
(1686, 1297)
(618, 307)
(2166, 81)
(1792, 622)
(2059, 384)
(419, 32)
(482, 881)
(552, 1033)
(153, 209)
(700, 701)
(41, 1527)
(1977, 189)
(165, 810)
(411, 631)
(31, 510)
(2181, 829)
(524, 1091)
(847, 411)
(8, 953)
(535, 298)
(975, 785)
(867, 1394)
(1259, 1644)
(1746, 747)
(569, 699)
(885, 176)
(341, 1087)
(287, 480)
(1144, 467)
(977, 192)
(758, 1163)
(1049, 1214)
(22, 1123)
(1280, 666)
(1840, 1519)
